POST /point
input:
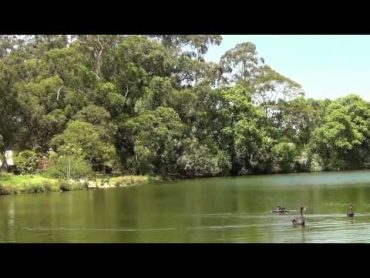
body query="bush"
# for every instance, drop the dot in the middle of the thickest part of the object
(130, 180)
(1, 143)
(26, 162)
(316, 163)
(49, 186)
(75, 185)
(83, 185)
(155, 179)
(5, 190)
(284, 156)
(6, 175)
(65, 186)
(66, 167)
(33, 188)
(1, 156)
(36, 188)
(302, 162)
(200, 160)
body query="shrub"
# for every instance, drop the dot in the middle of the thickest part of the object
(5, 190)
(6, 175)
(26, 162)
(84, 185)
(37, 188)
(66, 167)
(130, 180)
(200, 160)
(33, 188)
(155, 179)
(316, 163)
(302, 162)
(76, 186)
(65, 186)
(48, 186)
(284, 156)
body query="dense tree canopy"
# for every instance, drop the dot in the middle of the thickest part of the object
(153, 105)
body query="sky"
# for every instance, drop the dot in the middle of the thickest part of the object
(326, 66)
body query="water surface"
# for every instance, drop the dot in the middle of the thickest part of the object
(212, 210)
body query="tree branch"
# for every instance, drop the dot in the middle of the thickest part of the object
(127, 91)
(59, 92)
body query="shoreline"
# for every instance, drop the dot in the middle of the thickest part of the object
(31, 184)
(11, 184)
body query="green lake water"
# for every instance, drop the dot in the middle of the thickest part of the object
(212, 210)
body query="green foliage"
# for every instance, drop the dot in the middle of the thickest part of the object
(341, 141)
(1, 145)
(153, 105)
(86, 140)
(93, 114)
(69, 167)
(1, 161)
(26, 162)
(65, 185)
(129, 180)
(316, 163)
(200, 160)
(5, 190)
(34, 188)
(48, 186)
(285, 156)
(156, 137)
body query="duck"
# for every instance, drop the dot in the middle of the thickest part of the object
(299, 221)
(350, 212)
(279, 209)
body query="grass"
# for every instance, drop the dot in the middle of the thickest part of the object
(128, 180)
(19, 180)
(17, 184)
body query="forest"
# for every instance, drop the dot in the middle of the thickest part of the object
(153, 105)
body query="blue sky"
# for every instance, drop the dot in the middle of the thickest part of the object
(326, 66)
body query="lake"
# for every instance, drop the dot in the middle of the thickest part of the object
(211, 210)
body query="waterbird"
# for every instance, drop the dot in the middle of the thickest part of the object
(299, 220)
(279, 209)
(350, 212)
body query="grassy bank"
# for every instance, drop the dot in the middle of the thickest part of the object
(19, 184)
(128, 180)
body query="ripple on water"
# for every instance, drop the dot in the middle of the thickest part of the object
(97, 229)
(320, 228)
